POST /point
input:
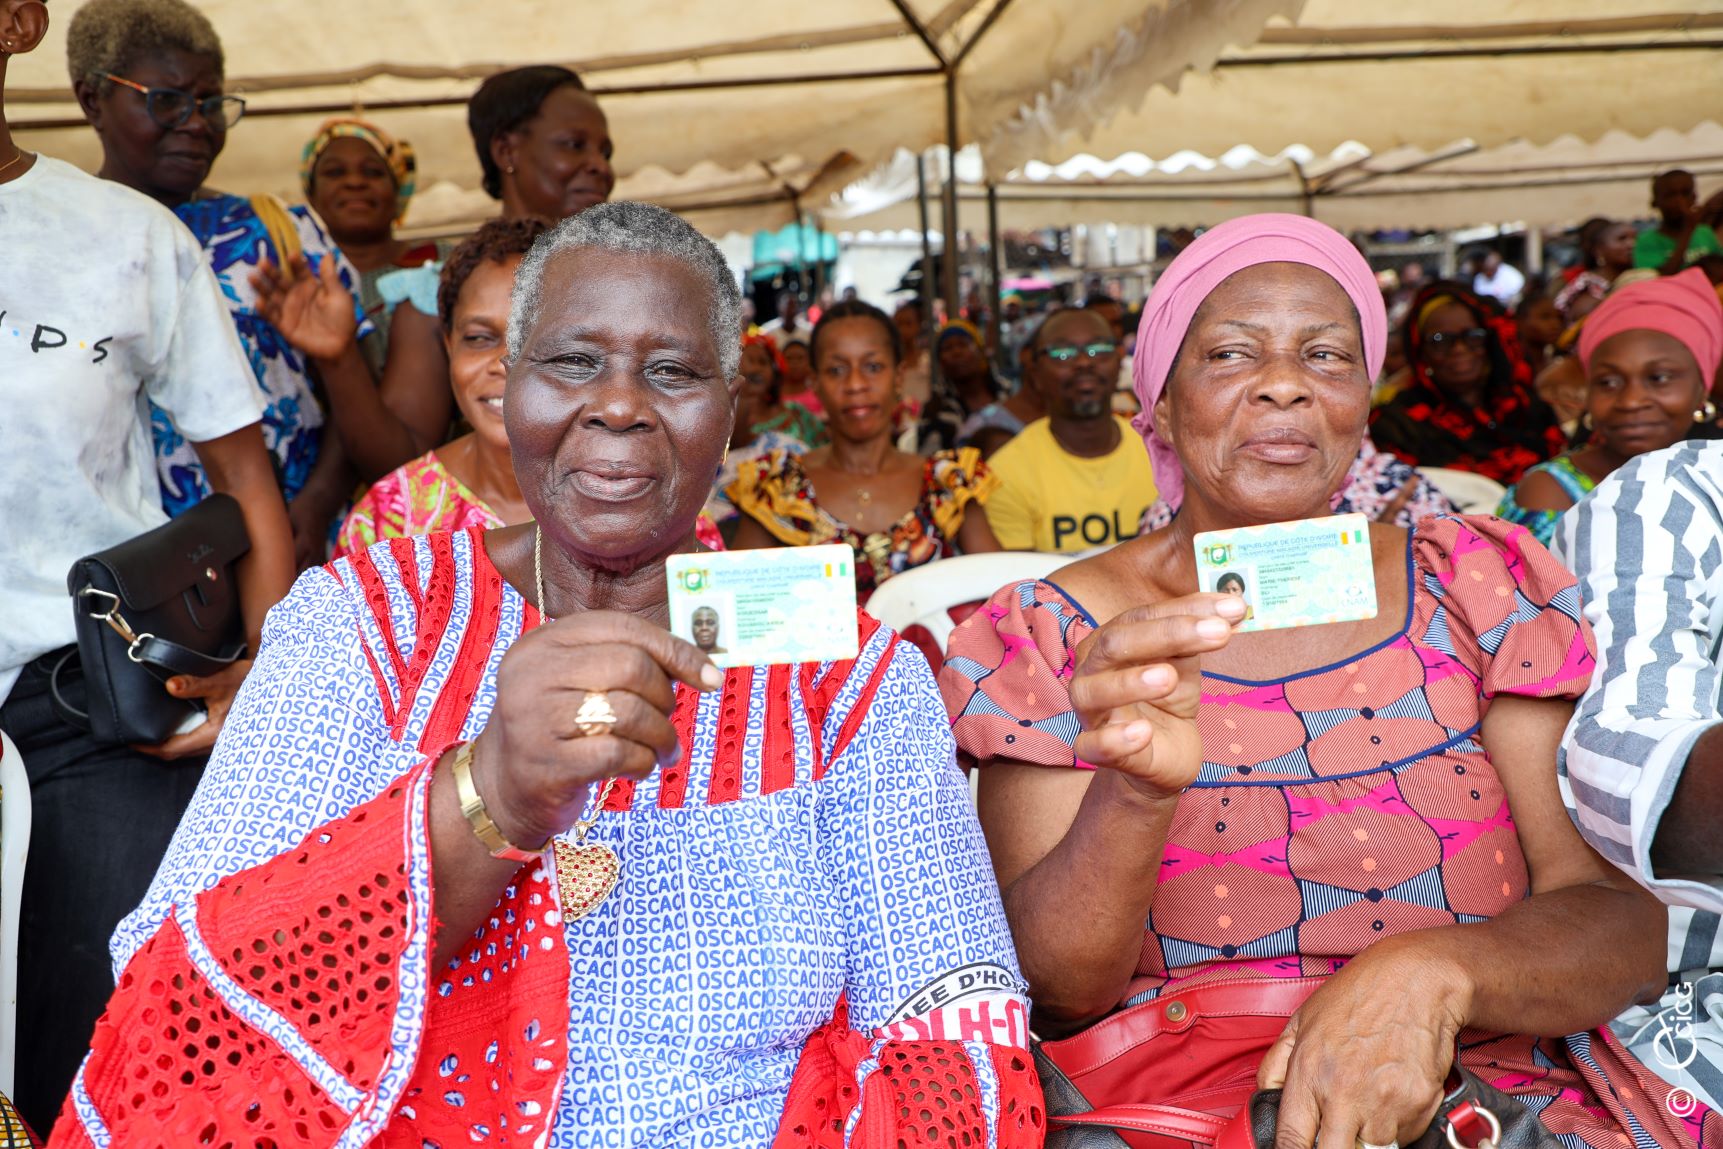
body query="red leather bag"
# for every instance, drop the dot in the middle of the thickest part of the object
(1171, 1073)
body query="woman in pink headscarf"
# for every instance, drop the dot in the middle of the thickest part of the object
(1649, 352)
(1340, 845)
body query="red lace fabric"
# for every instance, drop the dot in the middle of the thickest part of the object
(292, 1005)
(919, 1095)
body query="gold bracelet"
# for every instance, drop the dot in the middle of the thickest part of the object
(473, 809)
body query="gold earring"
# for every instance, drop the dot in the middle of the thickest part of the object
(1585, 420)
(1706, 413)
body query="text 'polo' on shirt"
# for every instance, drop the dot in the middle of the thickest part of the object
(1051, 500)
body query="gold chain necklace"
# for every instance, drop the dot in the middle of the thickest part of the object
(14, 161)
(586, 872)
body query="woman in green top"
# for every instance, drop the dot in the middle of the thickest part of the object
(1650, 352)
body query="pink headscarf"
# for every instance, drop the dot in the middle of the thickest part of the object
(1200, 268)
(1684, 306)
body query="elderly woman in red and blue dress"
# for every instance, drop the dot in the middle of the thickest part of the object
(461, 874)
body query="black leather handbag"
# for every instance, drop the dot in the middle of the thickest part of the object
(1473, 1115)
(162, 604)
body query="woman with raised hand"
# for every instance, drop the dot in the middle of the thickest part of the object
(1650, 353)
(894, 509)
(487, 856)
(1353, 827)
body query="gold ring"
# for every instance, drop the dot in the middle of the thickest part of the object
(596, 716)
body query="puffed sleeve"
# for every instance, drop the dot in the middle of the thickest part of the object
(956, 479)
(769, 490)
(929, 1047)
(380, 513)
(1005, 675)
(300, 747)
(1507, 609)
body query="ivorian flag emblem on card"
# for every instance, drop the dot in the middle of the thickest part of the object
(1351, 537)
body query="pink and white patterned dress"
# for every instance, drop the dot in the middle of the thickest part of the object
(1346, 803)
(416, 498)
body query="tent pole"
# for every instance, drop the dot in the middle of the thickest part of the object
(1306, 190)
(995, 260)
(926, 292)
(949, 196)
(801, 255)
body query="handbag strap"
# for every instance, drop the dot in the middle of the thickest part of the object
(160, 657)
(1166, 1120)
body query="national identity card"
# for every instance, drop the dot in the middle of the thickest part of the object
(765, 607)
(1299, 573)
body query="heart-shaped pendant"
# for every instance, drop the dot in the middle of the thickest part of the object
(585, 875)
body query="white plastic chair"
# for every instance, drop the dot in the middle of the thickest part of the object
(14, 845)
(924, 595)
(1473, 494)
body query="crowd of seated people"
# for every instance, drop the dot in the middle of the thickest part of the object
(467, 775)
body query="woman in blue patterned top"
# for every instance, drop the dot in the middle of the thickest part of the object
(149, 77)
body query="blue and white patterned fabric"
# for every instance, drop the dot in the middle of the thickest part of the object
(746, 906)
(236, 241)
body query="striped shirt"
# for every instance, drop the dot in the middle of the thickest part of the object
(1647, 546)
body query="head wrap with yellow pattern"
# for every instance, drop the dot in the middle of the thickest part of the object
(398, 154)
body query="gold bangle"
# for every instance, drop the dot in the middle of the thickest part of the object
(473, 809)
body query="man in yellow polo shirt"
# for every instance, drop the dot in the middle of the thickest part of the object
(1080, 478)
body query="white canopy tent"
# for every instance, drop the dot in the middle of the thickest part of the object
(733, 113)
(1418, 73)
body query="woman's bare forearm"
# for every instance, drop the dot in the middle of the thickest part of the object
(375, 438)
(1078, 915)
(1557, 963)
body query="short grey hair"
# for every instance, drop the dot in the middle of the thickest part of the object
(113, 35)
(634, 229)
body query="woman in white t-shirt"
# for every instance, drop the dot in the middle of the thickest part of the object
(106, 306)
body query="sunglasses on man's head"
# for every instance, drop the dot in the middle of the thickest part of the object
(171, 107)
(1070, 353)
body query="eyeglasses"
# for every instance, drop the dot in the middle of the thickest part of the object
(171, 107)
(1066, 353)
(1443, 342)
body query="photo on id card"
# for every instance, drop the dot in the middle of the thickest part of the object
(1301, 573)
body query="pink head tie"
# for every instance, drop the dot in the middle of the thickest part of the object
(1683, 306)
(1200, 268)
